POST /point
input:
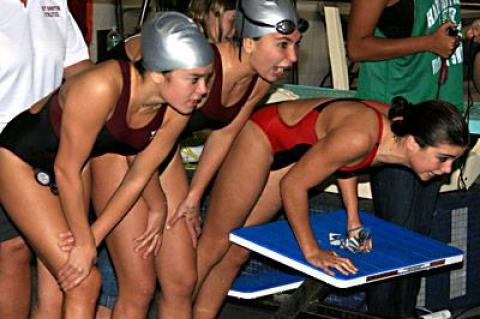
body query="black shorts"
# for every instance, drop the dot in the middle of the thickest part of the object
(7, 229)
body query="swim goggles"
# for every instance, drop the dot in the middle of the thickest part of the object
(354, 244)
(284, 27)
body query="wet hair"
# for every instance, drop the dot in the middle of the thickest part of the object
(430, 123)
(220, 6)
(198, 10)
(139, 66)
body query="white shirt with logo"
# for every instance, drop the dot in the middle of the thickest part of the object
(37, 42)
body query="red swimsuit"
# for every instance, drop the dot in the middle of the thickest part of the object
(289, 143)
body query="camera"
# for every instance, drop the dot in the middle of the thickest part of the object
(453, 32)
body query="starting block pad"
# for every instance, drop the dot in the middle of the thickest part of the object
(396, 250)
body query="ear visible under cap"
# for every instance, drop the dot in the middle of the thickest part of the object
(157, 77)
(248, 45)
(412, 145)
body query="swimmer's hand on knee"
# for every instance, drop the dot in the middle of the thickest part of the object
(78, 266)
(190, 210)
(194, 226)
(150, 241)
(66, 241)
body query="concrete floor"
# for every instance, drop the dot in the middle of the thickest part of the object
(233, 309)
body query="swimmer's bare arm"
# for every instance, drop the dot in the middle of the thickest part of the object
(330, 153)
(77, 68)
(150, 240)
(87, 101)
(216, 148)
(348, 190)
(139, 174)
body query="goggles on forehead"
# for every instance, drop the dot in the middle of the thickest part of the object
(285, 27)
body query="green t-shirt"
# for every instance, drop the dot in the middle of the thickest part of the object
(415, 76)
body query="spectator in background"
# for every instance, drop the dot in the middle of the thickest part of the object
(82, 13)
(216, 17)
(40, 45)
(413, 49)
(473, 32)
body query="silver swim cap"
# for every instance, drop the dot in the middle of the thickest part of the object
(172, 41)
(256, 18)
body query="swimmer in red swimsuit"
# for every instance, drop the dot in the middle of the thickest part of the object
(318, 138)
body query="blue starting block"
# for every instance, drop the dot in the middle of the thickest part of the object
(251, 286)
(396, 252)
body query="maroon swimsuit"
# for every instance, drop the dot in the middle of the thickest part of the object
(214, 115)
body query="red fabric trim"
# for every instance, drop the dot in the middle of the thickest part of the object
(89, 21)
(82, 13)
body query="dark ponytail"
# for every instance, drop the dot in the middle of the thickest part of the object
(430, 123)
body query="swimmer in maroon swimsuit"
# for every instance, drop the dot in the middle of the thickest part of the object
(114, 107)
(268, 35)
(317, 138)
